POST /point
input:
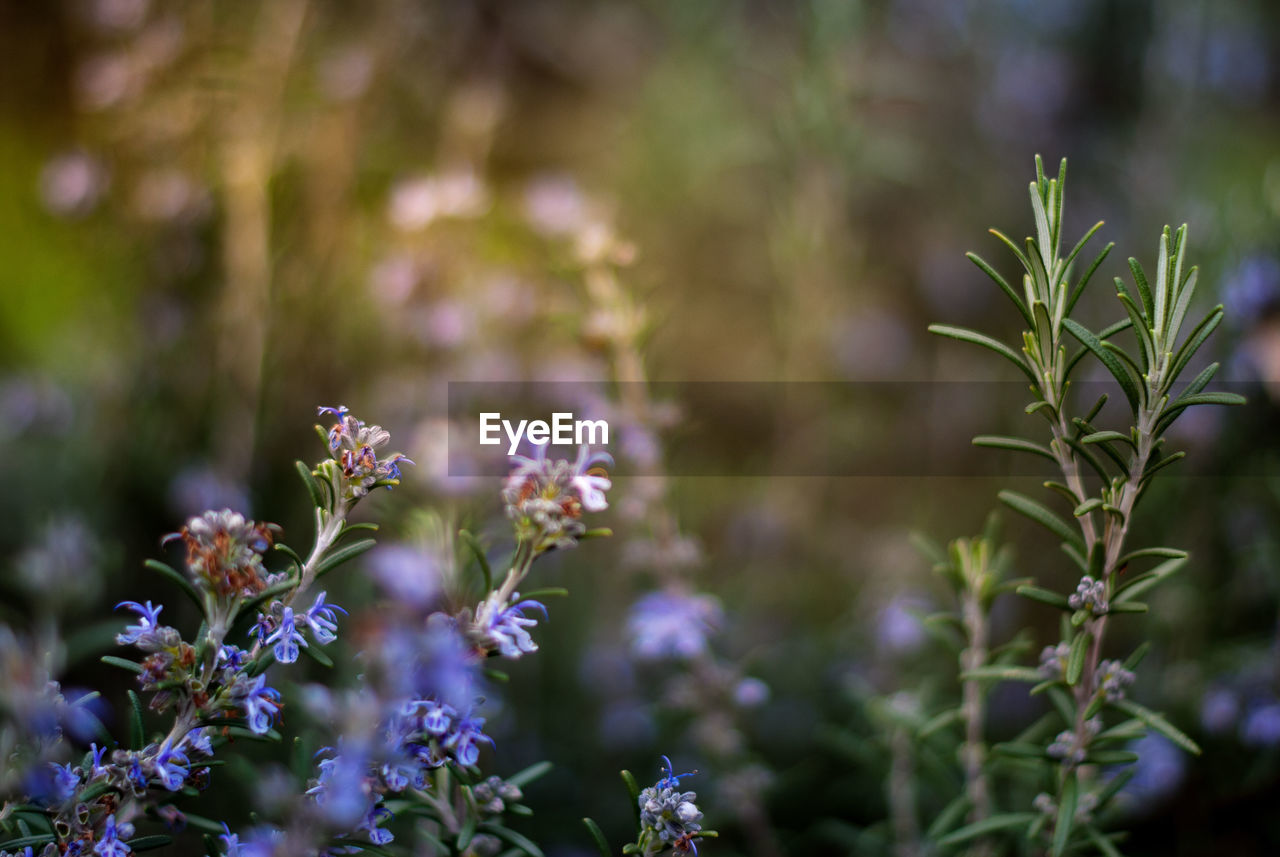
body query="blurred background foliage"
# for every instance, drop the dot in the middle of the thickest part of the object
(217, 215)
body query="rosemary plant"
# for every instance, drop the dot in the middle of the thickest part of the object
(1105, 473)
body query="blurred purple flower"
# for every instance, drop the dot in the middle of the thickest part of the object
(673, 624)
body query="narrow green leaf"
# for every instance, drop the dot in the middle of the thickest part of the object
(1164, 553)
(1109, 360)
(1144, 582)
(1101, 436)
(1075, 660)
(1016, 444)
(338, 557)
(1111, 757)
(1087, 276)
(633, 789)
(519, 840)
(1086, 507)
(137, 737)
(529, 774)
(24, 841)
(318, 655)
(1101, 842)
(313, 489)
(1044, 596)
(477, 550)
(940, 721)
(185, 585)
(1129, 607)
(991, 824)
(1131, 662)
(1003, 673)
(1019, 750)
(1158, 723)
(1144, 288)
(1194, 340)
(976, 338)
(1043, 516)
(950, 814)
(1148, 352)
(546, 592)
(148, 843)
(597, 835)
(1067, 800)
(123, 664)
(1004, 286)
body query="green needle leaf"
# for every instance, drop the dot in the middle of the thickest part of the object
(1044, 516)
(966, 335)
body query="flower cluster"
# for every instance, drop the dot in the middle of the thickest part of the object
(355, 447)
(280, 628)
(546, 499)
(1072, 746)
(1090, 595)
(669, 818)
(224, 552)
(1113, 679)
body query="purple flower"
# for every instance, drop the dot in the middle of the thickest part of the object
(377, 835)
(286, 639)
(232, 658)
(260, 704)
(230, 842)
(465, 738)
(672, 624)
(108, 843)
(171, 766)
(199, 741)
(66, 780)
(96, 768)
(148, 622)
(322, 620)
(503, 627)
(342, 787)
(1261, 726)
(438, 718)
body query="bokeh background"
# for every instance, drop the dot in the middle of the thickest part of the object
(218, 215)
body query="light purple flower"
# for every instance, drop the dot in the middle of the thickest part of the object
(109, 845)
(322, 620)
(287, 639)
(148, 621)
(171, 766)
(260, 704)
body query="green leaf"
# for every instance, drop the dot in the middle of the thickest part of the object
(23, 842)
(137, 737)
(1196, 338)
(597, 835)
(338, 557)
(530, 774)
(1158, 723)
(1087, 276)
(1148, 353)
(1019, 750)
(1003, 673)
(468, 830)
(313, 489)
(546, 592)
(1143, 582)
(1003, 284)
(1108, 359)
(1086, 507)
(148, 843)
(318, 655)
(1129, 607)
(976, 338)
(1044, 596)
(1016, 444)
(1111, 757)
(1131, 662)
(182, 582)
(633, 789)
(477, 550)
(1101, 842)
(1075, 660)
(1043, 516)
(123, 664)
(1144, 288)
(1100, 436)
(1167, 553)
(1067, 799)
(991, 824)
(939, 721)
(520, 841)
(1207, 399)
